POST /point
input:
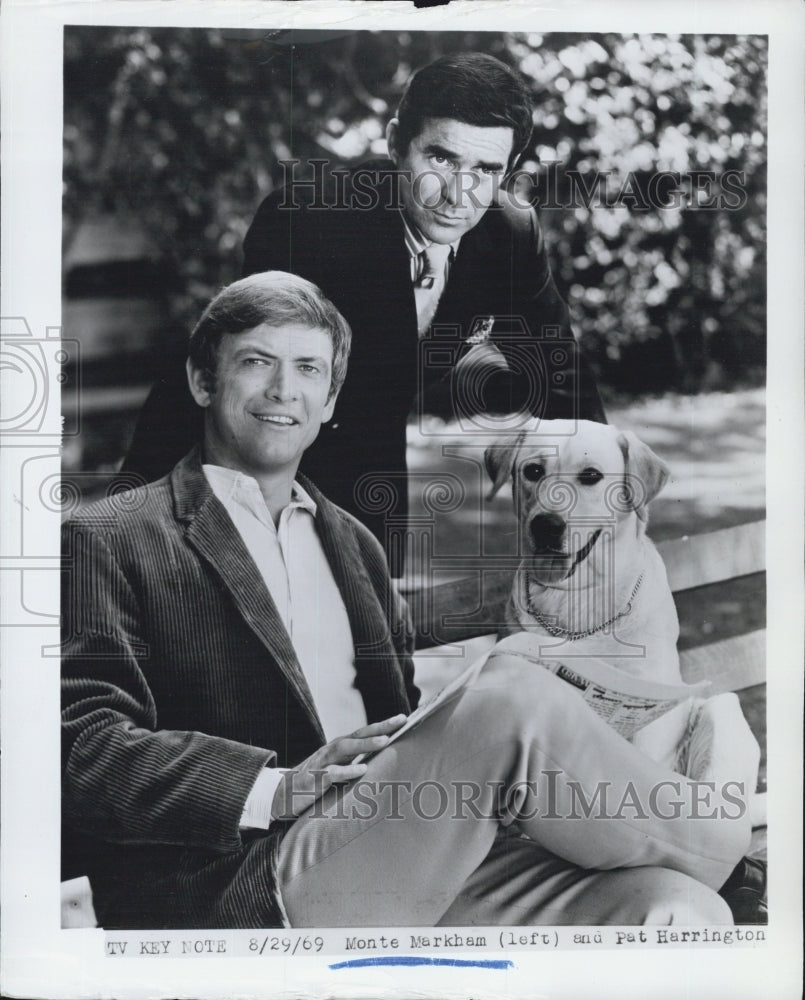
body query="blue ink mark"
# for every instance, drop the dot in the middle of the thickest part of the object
(411, 960)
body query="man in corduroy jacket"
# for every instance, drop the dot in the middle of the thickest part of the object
(225, 626)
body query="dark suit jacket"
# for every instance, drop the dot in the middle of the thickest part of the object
(357, 256)
(180, 683)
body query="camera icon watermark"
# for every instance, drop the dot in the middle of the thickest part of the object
(500, 374)
(30, 366)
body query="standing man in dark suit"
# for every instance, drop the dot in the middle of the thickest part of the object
(224, 628)
(442, 275)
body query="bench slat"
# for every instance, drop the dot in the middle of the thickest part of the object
(473, 605)
(460, 609)
(730, 664)
(696, 560)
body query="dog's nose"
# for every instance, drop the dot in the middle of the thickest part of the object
(547, 531)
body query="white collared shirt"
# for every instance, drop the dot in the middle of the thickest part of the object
(293, 565)
(415, 243)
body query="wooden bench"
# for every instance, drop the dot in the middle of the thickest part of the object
(718, 580)
(704, 571)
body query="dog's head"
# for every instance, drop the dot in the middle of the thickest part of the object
(572, 481)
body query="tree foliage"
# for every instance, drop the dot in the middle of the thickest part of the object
(187, 129)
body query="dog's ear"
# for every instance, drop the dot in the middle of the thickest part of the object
(499, 459)
(645, 472)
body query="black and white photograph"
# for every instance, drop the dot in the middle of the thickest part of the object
(401, 415)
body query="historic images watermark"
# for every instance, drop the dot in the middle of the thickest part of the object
(550, 795)
(326, 187)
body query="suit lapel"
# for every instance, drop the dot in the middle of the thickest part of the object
(466, 278)
(382, 256)
(387, 245)
(378, 676)
(212, 534)
(344, 557)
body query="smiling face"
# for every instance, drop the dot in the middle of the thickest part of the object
(576, 484)
(564, 488)
(455, 170)
(270, 396)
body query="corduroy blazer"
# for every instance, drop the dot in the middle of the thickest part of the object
(180, 683)
(352, 245)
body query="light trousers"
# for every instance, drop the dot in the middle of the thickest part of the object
(513, 804)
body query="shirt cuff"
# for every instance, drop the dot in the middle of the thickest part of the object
(256, 813)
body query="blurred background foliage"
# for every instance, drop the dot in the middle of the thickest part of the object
(179, 133)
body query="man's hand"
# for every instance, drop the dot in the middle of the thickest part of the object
(330, 765)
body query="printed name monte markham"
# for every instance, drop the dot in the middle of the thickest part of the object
(452, 940)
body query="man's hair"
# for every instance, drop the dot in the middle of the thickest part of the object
(470, 87)
(277, 299)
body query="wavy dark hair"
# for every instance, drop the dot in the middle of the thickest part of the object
(470, 87)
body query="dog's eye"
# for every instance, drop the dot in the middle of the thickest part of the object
(589, 477)
(533, 471)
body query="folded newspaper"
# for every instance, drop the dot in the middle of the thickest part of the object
(625, 702)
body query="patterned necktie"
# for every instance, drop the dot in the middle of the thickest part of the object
(430, 284)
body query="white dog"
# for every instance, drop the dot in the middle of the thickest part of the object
(591, 583)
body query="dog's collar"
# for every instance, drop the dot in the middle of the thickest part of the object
(559, 631)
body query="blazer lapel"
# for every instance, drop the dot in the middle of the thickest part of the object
(466, 279)
(378, 676)
(386, 243)
(211, 532)
(382, 256)
(341, 549)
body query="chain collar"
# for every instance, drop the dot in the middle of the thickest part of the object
(559, 632)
